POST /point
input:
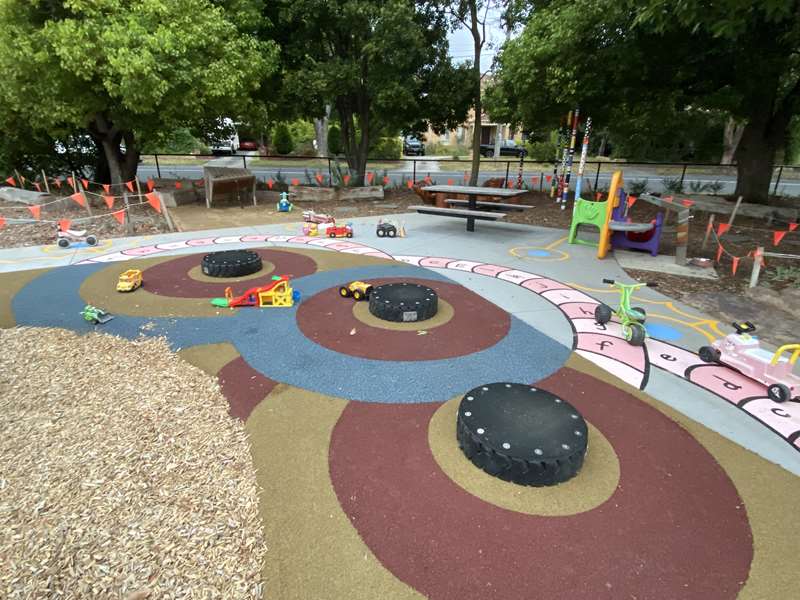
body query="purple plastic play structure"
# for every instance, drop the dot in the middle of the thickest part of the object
(635, 236)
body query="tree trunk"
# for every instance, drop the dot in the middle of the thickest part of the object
(498, 141)
(754, 157)
(321, 132)
(476, 136)
(122, 166)
(356, 143)
(730, 140)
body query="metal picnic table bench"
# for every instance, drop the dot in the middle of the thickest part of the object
(471, 212)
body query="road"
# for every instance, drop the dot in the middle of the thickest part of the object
(405, 170)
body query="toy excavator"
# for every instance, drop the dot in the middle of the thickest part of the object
(277, 293)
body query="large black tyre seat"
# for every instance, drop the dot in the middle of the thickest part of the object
(231, 263)
(521, 434)
(403, 302)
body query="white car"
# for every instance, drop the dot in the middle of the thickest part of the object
(225, 140)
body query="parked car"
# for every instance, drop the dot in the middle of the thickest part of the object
(224, 140)
(507, 148)
(248, 144)
(413, 147)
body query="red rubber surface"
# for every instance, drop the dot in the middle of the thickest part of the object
(243, 387)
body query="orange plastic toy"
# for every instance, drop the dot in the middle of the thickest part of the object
(278, 293)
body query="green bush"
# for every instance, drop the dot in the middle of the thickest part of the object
(180, 141)
(453, 150)
(282, 139)
(385, 147)
(638, 186)
(334, 140)
(673, 185)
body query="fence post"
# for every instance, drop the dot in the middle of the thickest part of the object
(158, 168)
(597, 176)
(244, 160)
(683, 175)
(778, 180)
(330, 172)
(414, 170)
(756, 266)
(505, 182)
(541, 180)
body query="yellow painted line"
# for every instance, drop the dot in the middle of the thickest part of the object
(698, 329)
(556, 243)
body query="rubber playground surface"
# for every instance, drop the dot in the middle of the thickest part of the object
(365, 493)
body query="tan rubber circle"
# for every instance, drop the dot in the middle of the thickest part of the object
(591, 487)
(197, 274)
(443, 315)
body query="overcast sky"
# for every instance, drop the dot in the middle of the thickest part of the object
(461, 42)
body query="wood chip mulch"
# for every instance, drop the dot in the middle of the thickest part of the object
(123, 476)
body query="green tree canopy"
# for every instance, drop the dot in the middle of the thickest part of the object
(646, 59)
(383, 65)
(126, 70)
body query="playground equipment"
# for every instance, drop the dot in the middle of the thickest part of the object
(333, 230)
(310, 229)
(631, 318)
(278, 293)
(283, 205)
(635, 236)
(65, 237)
(742, 351)
(588, 212)
(129, 280)
(95, 315)
(357, 289)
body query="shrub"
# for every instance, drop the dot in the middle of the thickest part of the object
(638, 187)
(334, 140)
(673, 185)
(386, 147)
(282, 139)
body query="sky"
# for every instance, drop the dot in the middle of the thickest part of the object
(461, 42)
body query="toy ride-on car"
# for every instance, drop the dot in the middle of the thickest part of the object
(742, 351)
(309, 216)
(92, 314)
(129, 280)
(334, 231)
(357, 289)
(631, 318)
(386, 230)
(66, 237)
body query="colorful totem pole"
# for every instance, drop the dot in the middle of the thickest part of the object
(587, 128)
(570, 157)
(554, 187)
(564, 155)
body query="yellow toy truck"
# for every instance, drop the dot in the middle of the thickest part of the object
(357, 289)
(129, 280)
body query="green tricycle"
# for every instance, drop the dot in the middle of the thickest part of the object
(95, 315)
(631, 318)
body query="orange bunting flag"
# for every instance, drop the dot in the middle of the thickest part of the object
(386, 180)
(57, 181)
(11, 181)
(687, 203)
(37, 186)
(129, 185)
(777, 236)
(119, 215)
(154, 201)
(428, 179)
(722, 228)
(106, 188)
(295, 182)
(85, 183)
(792, 226)
(734, 265)
(150, 184)
(449, 182)
(2, 222)
(270, 183)
(79, 198)
(36, 211)
(668, 198)
(370, 177)
(319, 178)
(410, 184)
(109, 201)
(346, 179)
(719, 252)
(71, 182)
(510, 183)
(632, 200)
(535, 180)
(63, 224)
(548, 178)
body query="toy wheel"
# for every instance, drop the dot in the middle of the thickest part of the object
(381, 233)
(231, 263)
(603, 314)
(392, 232)
(638, 313)
(344, 292)
(91, 240)
(709, 354)
(779, 392)
(349, 234)
(63, 243)
(358, 295)
(368, 292)
(636, 334)
(332, 234)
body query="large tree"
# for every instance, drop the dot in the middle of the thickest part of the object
(614, 57)
(126, 70)
(383, 65)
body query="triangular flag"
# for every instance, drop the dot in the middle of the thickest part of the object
(36, 211)
(449, 182)
(119, 215)
(57, 181)
(11, 181)
(548, 178)
(106, 188)
(510, 184)
(734, 265)
(668, 198)
(85, 183)
(129, 185)
(410, 184)
(270, 183)
(154, 201)
(687, 203)
(346, 179)
(319, 178)
(631, 201)
(428, 179)
(150, 184)
(535, 180)
(719, 252)
(178, 185)
(295, 181)
(71, 182)
(777, 236)
(386, 180)
(63, 224)
(370, 177)
(109, 201)
(37, 186)
(2, 222)
(79, 198)
(722, 228)
(792, 226)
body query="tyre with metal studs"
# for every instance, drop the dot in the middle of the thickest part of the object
(403, 302)
(231, 263)
(521, 434)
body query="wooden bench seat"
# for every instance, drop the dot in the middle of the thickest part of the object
(458, 212)
(489, 205)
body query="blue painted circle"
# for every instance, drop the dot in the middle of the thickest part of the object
(539, 252)
(663, 332)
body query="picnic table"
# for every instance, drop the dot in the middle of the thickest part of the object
(472, 211)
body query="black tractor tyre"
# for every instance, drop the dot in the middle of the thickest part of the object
(603, 314)
(779, 392)
(709, 354)
(231, 263)
(403, 302)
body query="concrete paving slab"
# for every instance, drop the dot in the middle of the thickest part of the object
(661, 264)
